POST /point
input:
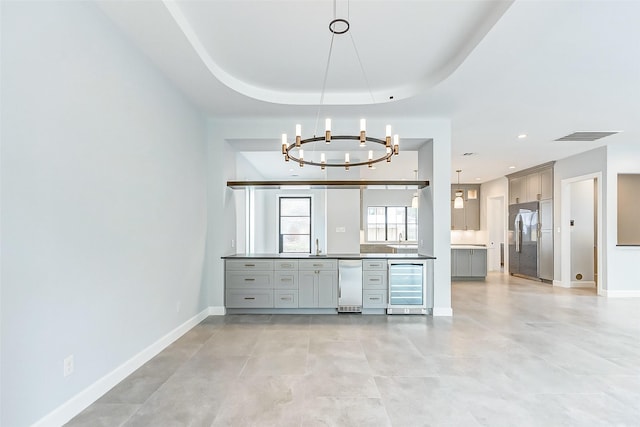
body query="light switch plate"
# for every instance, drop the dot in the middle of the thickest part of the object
(341, 230)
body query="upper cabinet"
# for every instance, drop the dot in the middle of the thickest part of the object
(467, 218)
(531, 185)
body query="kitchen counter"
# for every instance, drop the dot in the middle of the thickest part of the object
(328, 256)
(469, 246)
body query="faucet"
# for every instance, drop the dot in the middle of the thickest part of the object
(317, 248)
(399, 238)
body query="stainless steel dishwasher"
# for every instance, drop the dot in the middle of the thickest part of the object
(350, 286)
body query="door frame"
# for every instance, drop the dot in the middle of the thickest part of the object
(498, 202)
(565, 231)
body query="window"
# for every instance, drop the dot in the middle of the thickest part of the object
(387, 223)
(295, 225)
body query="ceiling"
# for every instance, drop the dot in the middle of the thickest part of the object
(496, 69)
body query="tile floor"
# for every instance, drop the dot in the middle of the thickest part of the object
(516, 353)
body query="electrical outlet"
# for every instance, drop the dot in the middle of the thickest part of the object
(233, 243)
(68, 365)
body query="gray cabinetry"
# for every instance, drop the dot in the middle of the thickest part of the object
(285, 284)
(318, 284)
(374, 284)
(531, 185)
(469, 263)
(249, 284)
(467, 218)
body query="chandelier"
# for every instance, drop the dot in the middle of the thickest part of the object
(387, 147)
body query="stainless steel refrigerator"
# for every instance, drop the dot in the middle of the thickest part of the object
(524, 238)
(349, 286)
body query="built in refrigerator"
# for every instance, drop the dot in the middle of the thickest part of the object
(524, 234)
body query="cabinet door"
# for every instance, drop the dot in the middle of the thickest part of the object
(307, 289)
(478, 262)
(472, 214)
(515, 190)
(546, 184)
(327, 289)
(533, 187)
(463, 262)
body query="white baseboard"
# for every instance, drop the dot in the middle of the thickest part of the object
(217, 311)
(442, 311)
(82, 400)
(575, 284)
(621, 294)
(583, 284)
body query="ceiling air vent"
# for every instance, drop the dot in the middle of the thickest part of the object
(585, 136)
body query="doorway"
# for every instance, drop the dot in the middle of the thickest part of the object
(581, 237)
(496, 254)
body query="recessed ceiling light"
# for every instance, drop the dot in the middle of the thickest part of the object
(512, 167)
(478, 179)
(522, 136)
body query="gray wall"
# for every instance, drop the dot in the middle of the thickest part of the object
(103, 204)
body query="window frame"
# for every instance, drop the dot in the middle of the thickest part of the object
(280, 234)
(386, 224)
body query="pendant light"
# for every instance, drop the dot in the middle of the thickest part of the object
(414, 199)
(458, 202)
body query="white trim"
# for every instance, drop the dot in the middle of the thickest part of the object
(575, 284)
(72, 407)
(217, 311)
(583, 284)
(442, 312)
(622, 294)
(565, 236)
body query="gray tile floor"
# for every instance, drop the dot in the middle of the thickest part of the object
(516, 353)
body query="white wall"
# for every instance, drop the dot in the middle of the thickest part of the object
(622, 262)
(582, 230)
(103, 204)
(343, 221)
(587, 163)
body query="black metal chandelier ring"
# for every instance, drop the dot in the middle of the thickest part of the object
(333, 24)
(389, 151)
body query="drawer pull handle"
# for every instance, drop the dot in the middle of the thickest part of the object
(374, 299)
(374, 265)
(249, 298)
(286, 279)
(374, 280)
(249, 279)
(249, 265)
(286, 265)
(285, 299)
(317, 265)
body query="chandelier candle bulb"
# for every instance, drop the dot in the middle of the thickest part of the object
(323, 161)
(388, 152)
(298, 135)
(301, 158)
(370, 158)
(363, 129)
(396, 144)
(388, 135)
(327, 131)
(346, 161)
(284, 144)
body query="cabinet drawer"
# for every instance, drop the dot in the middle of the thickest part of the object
(252, 279)
(285, 298)
(284, 265)
(286, 280)
(374, 299)
(249, 298)
(321, 264)
(249, 264)
(374, 264)
(374, 280)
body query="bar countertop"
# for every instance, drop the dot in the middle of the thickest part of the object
(329, 256)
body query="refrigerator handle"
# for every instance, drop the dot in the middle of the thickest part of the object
(518, 233)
